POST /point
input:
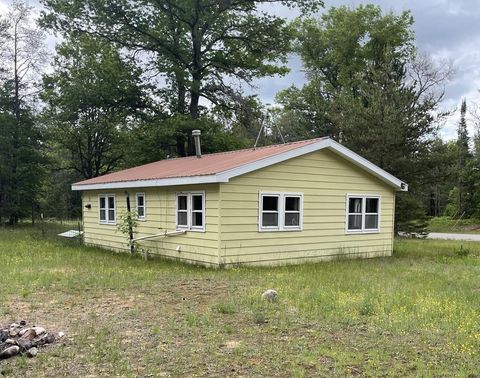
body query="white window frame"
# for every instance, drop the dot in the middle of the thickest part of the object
(364, 197)
(144, 217)
(181, 226)
(281, 212)
(190, 211)
(107, 208)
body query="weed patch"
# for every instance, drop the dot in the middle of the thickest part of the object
(463, 252)
(227, 308)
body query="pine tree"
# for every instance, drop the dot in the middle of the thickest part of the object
(463, 156)
(21, 160)
(462, 136)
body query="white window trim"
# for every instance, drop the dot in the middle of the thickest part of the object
(107, 220)
(189, 226)
(281, 212)
(144, 218)
(363, 196)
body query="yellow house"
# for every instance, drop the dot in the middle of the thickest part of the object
(289, 203)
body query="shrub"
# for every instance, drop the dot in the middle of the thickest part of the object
(225, 308)
(259, 317)
(462, 252)
(367, 306)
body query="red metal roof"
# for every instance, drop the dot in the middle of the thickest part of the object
(208, 164)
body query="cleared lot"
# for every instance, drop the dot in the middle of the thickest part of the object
(416, 313)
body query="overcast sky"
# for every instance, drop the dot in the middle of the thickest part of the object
(445, 29)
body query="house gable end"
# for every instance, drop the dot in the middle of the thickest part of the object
(324, 144)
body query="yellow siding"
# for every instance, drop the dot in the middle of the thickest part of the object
(324, 178)
(232, 235)
(200, 247)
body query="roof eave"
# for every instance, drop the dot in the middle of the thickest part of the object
(174, 181)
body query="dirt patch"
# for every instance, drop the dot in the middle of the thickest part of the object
(475, 227)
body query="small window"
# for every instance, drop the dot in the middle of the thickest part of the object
(270, 211)
(363, 213)
(292, 211)
(191, 211)
(107, 208)
(355, 213)
(280, 212)
(182, 211)
(197, 210)
(141, 206)
(371, 213)
(103, 209)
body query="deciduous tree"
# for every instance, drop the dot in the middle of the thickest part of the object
(92, 99)
(201, 47)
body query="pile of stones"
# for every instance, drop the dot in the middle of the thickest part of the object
(17, 338)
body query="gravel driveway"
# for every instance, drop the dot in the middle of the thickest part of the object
(441, 235)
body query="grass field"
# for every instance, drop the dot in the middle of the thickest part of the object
(414, 314)
(447, 224)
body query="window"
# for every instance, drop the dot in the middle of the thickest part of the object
(141, 206)
(292, 211)
(191, 211)
(280, 212)
(182, 210)
(197, 210)
(107, 208)
(363, 213)
(270, 211)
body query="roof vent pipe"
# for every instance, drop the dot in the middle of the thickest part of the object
(196, 137)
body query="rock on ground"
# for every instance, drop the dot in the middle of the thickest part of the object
(9, 352)
(18, 339)
(32, 352)
(270, 295)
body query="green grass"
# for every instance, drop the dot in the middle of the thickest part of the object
(447, 224)
(414, 314)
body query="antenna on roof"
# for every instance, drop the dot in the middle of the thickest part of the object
(259, 132)
(266, 117)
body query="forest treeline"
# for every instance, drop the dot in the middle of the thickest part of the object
(129, 80)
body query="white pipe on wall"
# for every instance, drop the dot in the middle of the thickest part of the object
(163, 234)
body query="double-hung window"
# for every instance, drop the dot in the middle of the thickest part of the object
(363, 213)
(270, 205)
(280, 211)
(191, 211)
(141, 206)
(292, 211)
(107, 208)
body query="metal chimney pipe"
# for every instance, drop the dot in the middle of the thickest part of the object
(196, 137)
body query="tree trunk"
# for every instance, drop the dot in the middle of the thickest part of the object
(196, 70)
(130, 228)
(181, 146)
(195, 98)
(181, 92)
(15, 142)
